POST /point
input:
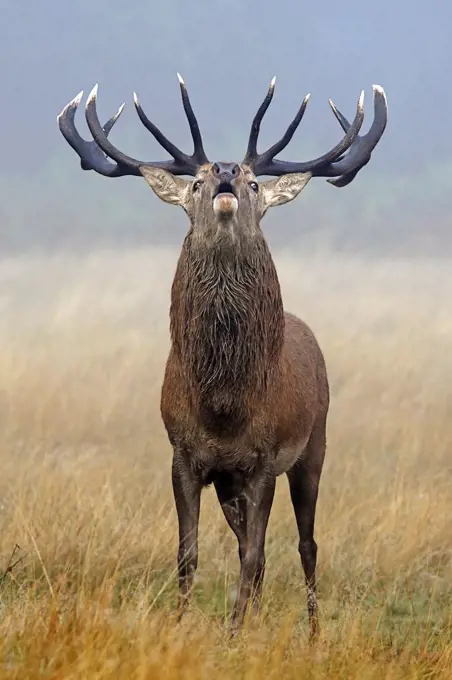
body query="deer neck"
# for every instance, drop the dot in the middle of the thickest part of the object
(227, 322)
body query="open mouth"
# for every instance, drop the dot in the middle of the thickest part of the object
(225, 202)
(225, 188)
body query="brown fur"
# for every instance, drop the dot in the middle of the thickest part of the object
(237, 360)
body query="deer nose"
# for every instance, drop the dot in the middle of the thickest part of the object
(225, 172)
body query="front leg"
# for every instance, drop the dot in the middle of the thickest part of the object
(187, 496)
(258, 494)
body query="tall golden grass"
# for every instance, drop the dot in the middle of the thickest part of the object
(85, 486)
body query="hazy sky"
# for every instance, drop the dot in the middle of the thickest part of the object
(227, 53)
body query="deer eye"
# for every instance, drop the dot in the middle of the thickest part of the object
(254, 186)
(196, 185)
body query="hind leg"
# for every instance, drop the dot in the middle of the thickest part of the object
(229, 492)
(233, 501)
(246, 504)
(304, 479)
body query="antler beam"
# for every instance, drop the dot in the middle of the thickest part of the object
(343, 162)
(94, 155)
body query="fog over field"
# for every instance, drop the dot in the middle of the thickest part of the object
(86, 265)
(85, 487)
(227, 54)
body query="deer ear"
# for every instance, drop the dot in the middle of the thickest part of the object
(284, 189)
(169, 188)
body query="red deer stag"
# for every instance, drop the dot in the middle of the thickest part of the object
(245, 394)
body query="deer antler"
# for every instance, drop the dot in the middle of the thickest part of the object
(94, 154)
(334, 164)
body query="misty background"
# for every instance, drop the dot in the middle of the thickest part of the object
(400, 203)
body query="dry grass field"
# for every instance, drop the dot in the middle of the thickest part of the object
(85, 486)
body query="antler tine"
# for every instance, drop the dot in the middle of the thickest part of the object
(251, 151)
(198, 151)
(345, 160)
(94, 154)
(172, 149)
(66, 123)
(198, 157)
(91, 156)
(346, 169)
(265, 164)
(181, 165)
(289, 133)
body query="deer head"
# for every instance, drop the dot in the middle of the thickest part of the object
(226, 193)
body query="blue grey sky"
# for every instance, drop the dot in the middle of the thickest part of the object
(227, 53)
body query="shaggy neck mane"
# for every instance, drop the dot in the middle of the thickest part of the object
(227, 322)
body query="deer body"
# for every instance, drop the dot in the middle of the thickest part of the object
(245, 395)
(244, 381)
(275, 428)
